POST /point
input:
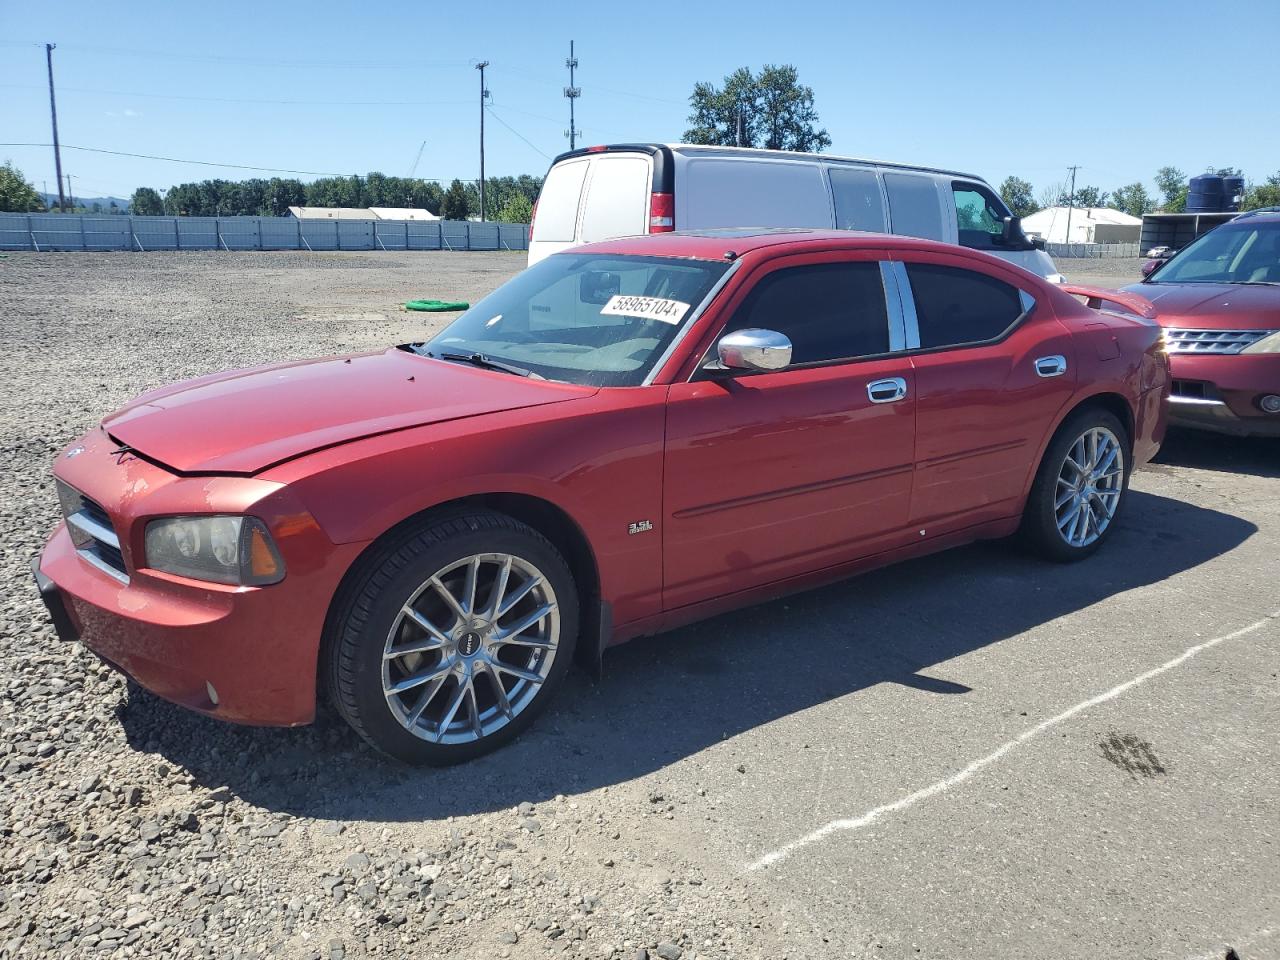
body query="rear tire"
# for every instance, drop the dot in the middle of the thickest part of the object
(1080, 487)
(452, 639)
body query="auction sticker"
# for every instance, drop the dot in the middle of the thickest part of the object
(648, 308)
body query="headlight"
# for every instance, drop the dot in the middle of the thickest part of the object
(236, 550)
(1268, 344)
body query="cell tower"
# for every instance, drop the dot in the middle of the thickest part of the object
(572, 93)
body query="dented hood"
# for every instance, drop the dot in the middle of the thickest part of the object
(247, 420)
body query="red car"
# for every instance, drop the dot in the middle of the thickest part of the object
(625, 437)
(1219, 302)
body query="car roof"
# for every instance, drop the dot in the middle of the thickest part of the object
(732, 242)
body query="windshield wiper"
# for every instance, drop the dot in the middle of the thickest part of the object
(480, 360)
(1256, 283)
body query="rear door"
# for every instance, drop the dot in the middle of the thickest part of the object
(555, 226)
(772, 475)
(992, 370)
(616, 197)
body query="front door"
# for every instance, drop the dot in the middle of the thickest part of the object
(770, 475)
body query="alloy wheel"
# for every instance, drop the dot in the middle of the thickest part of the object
(1090, 484)
(471, 648)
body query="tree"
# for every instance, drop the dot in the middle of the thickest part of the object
(1016, 194)
(1172, 184)
(517, 209)
(1084, 197)
(16, 194)
(455, 205)
(145, 202)
(773, 109)
(1132, 199)
(1262, 194)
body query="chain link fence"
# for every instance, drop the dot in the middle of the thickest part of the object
(54, 231)
(1105, 251)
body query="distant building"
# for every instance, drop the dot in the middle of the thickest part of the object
(361, 213)
(1088, 225)
(403, 213)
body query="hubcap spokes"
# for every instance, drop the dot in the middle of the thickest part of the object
(470, 648)
(1089, 487)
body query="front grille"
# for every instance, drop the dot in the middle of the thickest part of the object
(92, 532)
(1184, 340)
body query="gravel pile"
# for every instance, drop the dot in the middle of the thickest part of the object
(131, 828)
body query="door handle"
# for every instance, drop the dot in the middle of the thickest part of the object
(1054, 366)
(887, 390)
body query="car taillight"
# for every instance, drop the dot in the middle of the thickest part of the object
(662, 210)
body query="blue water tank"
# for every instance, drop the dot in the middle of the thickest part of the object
(1205, 194)
(1232, 192)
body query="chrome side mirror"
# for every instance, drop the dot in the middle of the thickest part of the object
(754, 349)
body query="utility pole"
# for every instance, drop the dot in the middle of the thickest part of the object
(572, 93)
(483, 96)
(53, 112)
(1071, 200)
(70, 194)
(740, 131)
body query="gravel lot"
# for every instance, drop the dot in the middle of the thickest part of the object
(941, 759)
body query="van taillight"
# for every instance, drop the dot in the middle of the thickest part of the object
(662, 213)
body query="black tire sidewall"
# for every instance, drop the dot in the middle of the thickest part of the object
(374, 607)
(1040, 525)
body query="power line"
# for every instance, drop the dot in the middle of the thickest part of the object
(287, 103)
(517, 133)
(247, 61)
(210, 163)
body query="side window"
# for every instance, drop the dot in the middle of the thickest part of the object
(979, 216)
(831, 311)
(857, 196)
(913, 205)
(956, 306)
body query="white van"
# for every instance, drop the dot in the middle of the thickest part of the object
(635, 188)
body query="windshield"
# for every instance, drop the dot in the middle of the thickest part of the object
(1233, 253)
(589, 319)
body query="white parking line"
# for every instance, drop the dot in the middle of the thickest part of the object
(942, 786)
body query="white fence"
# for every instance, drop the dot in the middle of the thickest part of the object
(55, 231)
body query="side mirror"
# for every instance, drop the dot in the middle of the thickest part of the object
(598, 286)
(1012, 235)
(1151, 266)
(754, 349)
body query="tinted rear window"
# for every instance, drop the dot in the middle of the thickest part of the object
(956, 306)
(913, 206)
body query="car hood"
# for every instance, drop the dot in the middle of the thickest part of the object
(1213, 306)
(244, 421)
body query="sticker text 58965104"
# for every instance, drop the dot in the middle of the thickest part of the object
(647, 308)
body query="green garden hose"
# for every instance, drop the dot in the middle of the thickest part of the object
(437, 306)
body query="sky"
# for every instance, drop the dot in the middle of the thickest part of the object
(994, 88)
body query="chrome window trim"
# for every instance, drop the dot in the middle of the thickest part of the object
(910, 321)
(893, 308)
(694, 317)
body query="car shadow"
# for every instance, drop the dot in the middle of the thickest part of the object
(1256, 456)
(668, 697)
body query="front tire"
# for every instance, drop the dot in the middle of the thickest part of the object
(1080, 487)
(453, 639)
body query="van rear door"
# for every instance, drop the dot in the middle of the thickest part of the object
(555, 225)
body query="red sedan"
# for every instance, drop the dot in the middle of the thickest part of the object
(625, 437)
(1219, 302)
